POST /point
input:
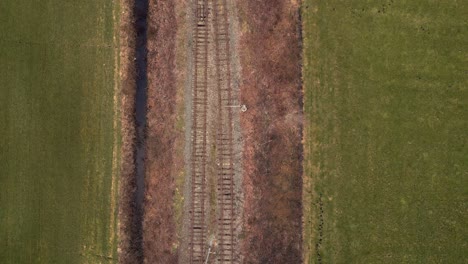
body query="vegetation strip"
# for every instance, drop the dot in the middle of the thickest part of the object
(164, 160)
(270, 87)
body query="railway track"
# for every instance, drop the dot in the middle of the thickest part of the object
(199, 153)
(224, 140)
(212, 43)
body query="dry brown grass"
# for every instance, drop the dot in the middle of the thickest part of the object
(272, 128)
(127, 252)
(159, 234)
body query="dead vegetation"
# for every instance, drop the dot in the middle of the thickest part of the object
(159, 234)
(127, 251)
(272, 129)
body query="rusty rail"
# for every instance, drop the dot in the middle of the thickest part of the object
(224, 140)
(212, 14)
(199, 149)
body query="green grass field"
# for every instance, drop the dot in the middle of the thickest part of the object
(58, 134)
(387, 120)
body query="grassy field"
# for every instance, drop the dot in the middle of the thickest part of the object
(386, 133)
(59, 137)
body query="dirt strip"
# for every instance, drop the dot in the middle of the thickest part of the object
(272, 129)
